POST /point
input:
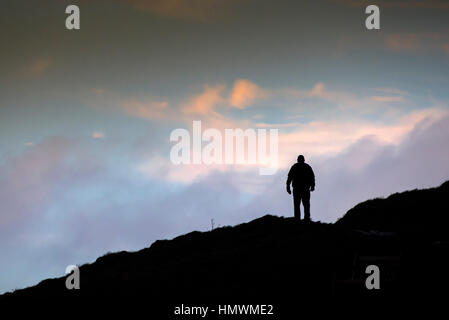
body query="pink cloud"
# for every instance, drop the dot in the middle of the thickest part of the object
(316, 139)
(28, 181)
(333, 137)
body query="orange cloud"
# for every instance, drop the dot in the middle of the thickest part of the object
(392, 91)
(201, 106)
(318, 90)
(205, 102)
(36, 67)
(417, 41)
(98, 135)
(402, 42)
(147, 110)
(388, 98)
(98, 91)
(244, 93)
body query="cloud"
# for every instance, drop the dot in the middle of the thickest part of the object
(205, 102)
(150, 110)
(388, 98)
(321, 102)
(98, 91)
(317, 139)
(196, 10)
(320, 91)
(218, 107)
(39, 66)
(402, 42)
(392, 91)
(244, 93)
(446, 48)
(344, 124)
(277, 125)
(364, 170)
(393, 95)
(331, 137)
(28, 182)
(161, 168)
(145, 107)
(413, 42)
(36, 67)
(98, 135)
(44, 213)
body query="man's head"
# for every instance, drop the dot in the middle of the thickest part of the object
(301, 158)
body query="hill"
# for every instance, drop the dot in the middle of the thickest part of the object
(279, 260)
(417, 211)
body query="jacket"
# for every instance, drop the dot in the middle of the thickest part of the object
(302, 176)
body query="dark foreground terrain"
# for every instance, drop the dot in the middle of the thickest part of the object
(276, 260)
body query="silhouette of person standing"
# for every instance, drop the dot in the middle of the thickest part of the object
(302, 178)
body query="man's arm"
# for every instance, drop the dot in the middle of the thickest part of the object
(289, 180)
(312, 179)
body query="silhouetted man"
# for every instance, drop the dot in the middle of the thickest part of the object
(303, 178)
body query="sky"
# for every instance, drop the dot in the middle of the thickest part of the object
(86, 116)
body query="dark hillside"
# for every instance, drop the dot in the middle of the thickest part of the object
(417, 211)
(279, 260)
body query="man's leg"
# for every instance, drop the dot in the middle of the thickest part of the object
(297, 204)
(305, 195)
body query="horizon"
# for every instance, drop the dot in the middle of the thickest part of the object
(87, 115)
